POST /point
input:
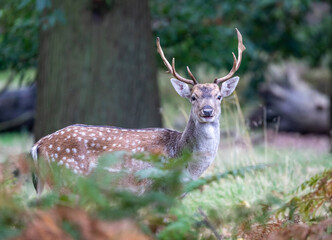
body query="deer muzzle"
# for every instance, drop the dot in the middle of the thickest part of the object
(207, 111)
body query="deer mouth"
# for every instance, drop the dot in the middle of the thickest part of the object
(206, 118)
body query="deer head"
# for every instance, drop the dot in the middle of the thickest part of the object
(205, 98)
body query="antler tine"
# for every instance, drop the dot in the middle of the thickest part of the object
(178, 76)
(192, 76)
(171, 68)
(161, 53)
(237, 62)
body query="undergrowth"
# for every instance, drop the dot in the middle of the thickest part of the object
(249, 193)
(80, 207)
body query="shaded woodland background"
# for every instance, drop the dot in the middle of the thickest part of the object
(92, 59)
(95, 62)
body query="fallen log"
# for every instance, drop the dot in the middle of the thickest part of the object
(17, 109)
(290, 104)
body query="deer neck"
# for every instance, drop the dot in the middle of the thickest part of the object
(202, 139)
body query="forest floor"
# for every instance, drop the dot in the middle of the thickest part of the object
(293, 158)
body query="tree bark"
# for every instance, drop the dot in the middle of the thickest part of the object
(331, 115)
(98, 67)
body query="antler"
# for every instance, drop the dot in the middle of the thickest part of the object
(237, 62)
(172, 70)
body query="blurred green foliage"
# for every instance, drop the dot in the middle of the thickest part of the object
(194, 32)
(315, 199)
(99, 196)
(20, 21)
(202, 32)
(19, 35)
(89, 200)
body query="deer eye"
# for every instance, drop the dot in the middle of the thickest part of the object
(193, 98)
(219, 97)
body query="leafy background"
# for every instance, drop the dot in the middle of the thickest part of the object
(258, 190)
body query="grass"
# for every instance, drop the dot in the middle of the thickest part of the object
(14, 143)
(288, 168)
(23, 78)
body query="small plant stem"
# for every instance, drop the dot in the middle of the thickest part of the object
(209, 224)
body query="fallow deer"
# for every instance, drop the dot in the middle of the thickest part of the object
(78, 147)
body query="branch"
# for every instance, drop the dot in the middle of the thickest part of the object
(17, 121)
(209, 225)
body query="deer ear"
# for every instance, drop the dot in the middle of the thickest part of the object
(181, 88)
(229, 86)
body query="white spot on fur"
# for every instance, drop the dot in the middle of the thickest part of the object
(74, 150)
(112, 169)
(91, 166)
(104, 147)
(58, 148)
(68, 150)
(79, 139)
(55, 155)
(34, 153)
(60, 162)
(50, 147)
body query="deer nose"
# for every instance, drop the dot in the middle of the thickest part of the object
(207, 111)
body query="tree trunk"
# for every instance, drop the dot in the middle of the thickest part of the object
(98, 67)
(331, 114)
